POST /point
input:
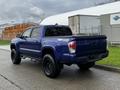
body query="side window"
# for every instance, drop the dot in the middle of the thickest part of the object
(27, 33)
(35, 33)
(49, 32)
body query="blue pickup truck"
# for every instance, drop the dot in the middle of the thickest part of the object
(55, 46)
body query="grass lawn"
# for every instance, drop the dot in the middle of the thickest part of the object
(4, 42)
(113, 59)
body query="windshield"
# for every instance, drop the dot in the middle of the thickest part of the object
(58, 31)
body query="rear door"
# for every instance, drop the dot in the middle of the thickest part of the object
(35, 42)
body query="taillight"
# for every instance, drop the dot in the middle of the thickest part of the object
(72, 46)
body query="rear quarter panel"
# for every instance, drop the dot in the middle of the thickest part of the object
(59, 45)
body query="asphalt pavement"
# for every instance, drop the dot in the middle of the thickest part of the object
(29, 76)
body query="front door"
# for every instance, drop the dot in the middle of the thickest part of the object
(24, 43)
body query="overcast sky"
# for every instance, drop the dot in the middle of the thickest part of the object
(33, 10)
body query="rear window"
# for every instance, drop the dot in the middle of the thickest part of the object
(58, 31)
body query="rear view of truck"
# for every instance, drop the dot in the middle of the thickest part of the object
(82, 50)
(87, 50)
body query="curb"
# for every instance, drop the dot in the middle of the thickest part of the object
(4, 49)
(108, 68)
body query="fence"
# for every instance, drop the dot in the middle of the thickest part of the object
(11, 32)
(91, 30)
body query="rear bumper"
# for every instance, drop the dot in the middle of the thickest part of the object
(72, 59)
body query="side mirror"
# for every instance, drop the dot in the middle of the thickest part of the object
(18, 35)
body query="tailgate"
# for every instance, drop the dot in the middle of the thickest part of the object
(89, 45)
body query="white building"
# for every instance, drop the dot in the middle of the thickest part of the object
(62, 19)
(109, 16)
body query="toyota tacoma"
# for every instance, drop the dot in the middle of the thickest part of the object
(56, 46)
